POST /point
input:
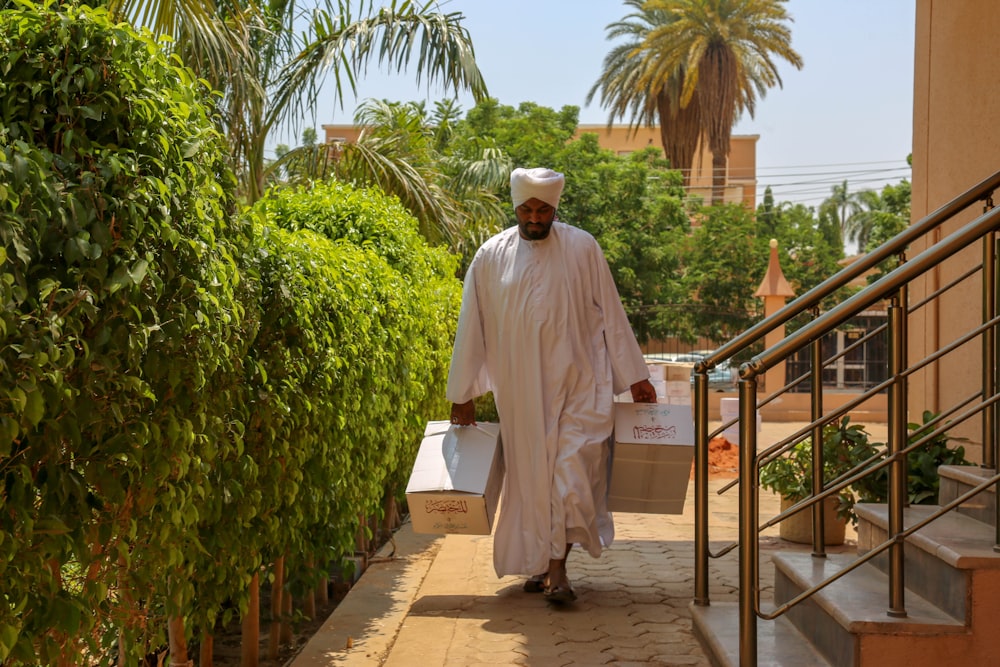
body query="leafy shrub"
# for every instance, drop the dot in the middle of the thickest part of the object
(121, 332)
(847, 446)
(185, 392)
(922, 479)
(363, 311)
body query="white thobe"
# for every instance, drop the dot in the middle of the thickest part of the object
(543, 327)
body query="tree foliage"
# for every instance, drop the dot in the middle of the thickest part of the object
(349, 363)
(633, 84)
(122, 329)
(406, 153)
(185, 392)
(702, 63)
(529, 134)
(634, 208)
(886, 214)
(270, 70)
(722, 269)
(809, 251)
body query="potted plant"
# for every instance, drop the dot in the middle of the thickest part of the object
(922, 479)
(845, 446)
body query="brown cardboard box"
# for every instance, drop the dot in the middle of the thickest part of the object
(456, 479)
(672, 380)
(653, 451)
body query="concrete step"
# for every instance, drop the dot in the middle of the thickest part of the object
(956, 480)
(940, 559)
(779, 643)
(848, 619)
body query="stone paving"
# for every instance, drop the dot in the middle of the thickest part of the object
(434, 601)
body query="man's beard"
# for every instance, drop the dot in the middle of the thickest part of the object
(534, 231)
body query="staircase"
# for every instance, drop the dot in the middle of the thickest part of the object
(952, 595)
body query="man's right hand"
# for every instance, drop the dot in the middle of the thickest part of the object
(463, 414)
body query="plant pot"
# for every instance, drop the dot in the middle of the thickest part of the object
(798, 527)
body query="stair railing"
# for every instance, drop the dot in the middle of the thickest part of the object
(893, 288)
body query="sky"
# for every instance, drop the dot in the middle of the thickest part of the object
(846, 115)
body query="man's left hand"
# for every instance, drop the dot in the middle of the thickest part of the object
(643, 392)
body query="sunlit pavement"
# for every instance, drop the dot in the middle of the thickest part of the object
(429, 600)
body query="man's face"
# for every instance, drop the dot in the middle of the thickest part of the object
(534, 219)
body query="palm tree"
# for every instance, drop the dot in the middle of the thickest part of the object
(842, 205)
(859, 226)
(268, 76)
(403, 152)
(723, 50)
(879, 215)
(633, 83)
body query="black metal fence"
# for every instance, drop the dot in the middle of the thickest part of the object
(861, 367)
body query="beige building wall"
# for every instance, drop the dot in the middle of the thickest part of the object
(741, 181)
(345, 133)
(956, 144)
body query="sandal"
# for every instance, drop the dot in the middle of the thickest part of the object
(560, 594)
(536, 584)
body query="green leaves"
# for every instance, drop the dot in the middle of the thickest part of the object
(8, 638)
(846, 447)
(184, 392)
(119, 261)
(354, 342)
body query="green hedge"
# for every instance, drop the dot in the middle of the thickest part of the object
(406, 376)
(121, 336)
(186, 391)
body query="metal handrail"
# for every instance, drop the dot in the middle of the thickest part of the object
(891, 288)
(830, 286)
(874, 551)
(881, 289)
(886, 287)
(982, 191)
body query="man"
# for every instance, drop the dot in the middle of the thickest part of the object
(543, 327)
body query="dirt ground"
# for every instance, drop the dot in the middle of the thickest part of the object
(723, 459)
(227, 647)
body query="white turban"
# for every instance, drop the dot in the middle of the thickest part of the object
(540, 183)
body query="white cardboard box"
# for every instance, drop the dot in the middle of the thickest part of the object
(729, 409)
(456, 479)
(653, 451)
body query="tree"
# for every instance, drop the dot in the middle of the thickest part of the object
(404, 152)
(880, 216)
(809, 248)
(268, 75)
(808, 253)
(888, 218)
(530, 134)
(723, 50)
(632, 84)
(723, 267)
(634, 207)
(293, 163)
(829, 226)
(768, 214)
(841, 205)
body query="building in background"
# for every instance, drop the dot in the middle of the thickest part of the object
(741, 179)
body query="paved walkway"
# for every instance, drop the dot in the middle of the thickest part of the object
(435, 601)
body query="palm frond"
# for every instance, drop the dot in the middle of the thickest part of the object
(398, 36)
